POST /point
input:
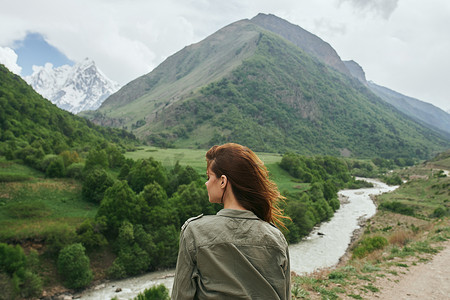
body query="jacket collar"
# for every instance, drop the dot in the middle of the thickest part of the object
(236, 213)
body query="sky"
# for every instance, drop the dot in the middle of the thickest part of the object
(401, 44)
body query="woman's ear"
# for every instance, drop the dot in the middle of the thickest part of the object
(224, 181)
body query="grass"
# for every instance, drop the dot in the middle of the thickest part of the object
(425, 191)
(28, 208)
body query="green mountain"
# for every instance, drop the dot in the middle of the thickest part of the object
(31, 126)
(424, 113)
(249, 85)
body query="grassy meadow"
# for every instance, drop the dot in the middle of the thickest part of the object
(196, 159)
(32, 206)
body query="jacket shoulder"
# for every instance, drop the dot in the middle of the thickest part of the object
(190, 220)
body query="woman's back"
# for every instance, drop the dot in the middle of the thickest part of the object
(232, 255)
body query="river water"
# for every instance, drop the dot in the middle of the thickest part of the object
(322, 248)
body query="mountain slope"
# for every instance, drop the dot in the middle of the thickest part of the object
(32, 124)
(77, 88)
(423, 112)
(303, 39)
(179, 75)
(254, 87)
(419, 110)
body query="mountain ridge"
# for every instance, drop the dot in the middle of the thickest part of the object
(271, 95)
(423, 112)
(308, 42)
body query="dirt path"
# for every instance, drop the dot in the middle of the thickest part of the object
(429, 280)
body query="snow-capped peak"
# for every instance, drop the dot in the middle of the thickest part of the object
(74, 88)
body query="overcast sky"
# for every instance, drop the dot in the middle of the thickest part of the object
(401, 44)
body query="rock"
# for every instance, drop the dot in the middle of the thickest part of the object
(118, 290)
(100, 286)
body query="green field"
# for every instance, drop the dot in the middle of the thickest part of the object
(196, 159)
(34, 205)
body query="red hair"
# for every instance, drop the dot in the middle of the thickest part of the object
(249, 179)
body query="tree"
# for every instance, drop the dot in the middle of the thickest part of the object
(191, 200)
(119, 204)
(154, 206)
(145, 171)
(131, 256)
(73, 265)
(55, 169)
(97, 158)
(89, 233)
(96, 181)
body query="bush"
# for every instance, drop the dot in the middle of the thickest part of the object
(75, 171)
(440, 212)
(368, 245)
(89, 233)
(117, 270)
(73, 265)
(394, 179)
(55, 169)
(397, 207)
(159, 292)
(16, 276)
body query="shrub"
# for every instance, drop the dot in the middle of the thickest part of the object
(70, 157)
(117, 270)
(368, 245)
(73, 265)
(75, 171)
(393, 179)
(439, 212)
(16, 276)
(397, 207)
(89, 233)
(159, 292)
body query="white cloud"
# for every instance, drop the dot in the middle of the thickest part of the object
(9, 58)
(382, 7)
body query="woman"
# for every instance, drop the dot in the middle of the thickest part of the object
(238, 253)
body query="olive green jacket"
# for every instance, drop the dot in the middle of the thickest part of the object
(231, 255)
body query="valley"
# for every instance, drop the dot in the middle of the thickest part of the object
(102, 195)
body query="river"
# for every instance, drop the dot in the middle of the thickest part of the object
(322, 248)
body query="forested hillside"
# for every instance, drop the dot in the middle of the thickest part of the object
(32, 127)
(251, 86)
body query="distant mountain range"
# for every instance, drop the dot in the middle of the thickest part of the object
(423, 112)
(73, 88)
(272, 86)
